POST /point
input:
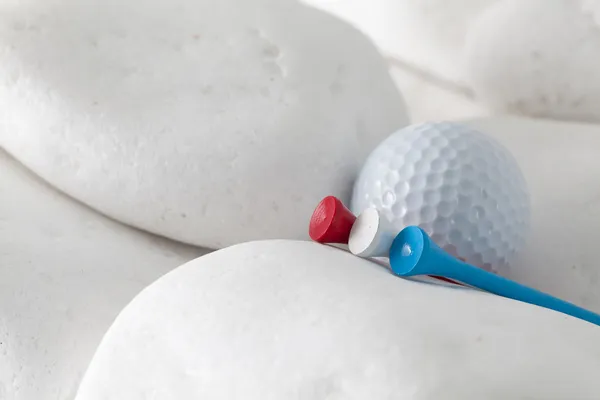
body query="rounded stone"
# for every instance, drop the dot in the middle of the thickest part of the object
(217, 122)
(65, 274)
(545, 65)
(297, 320)
(427, 34)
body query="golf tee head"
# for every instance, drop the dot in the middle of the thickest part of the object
(331, 222)
(371, 235)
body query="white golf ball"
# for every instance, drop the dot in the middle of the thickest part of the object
(459, 185)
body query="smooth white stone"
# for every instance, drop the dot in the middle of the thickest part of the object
(211, 122)
(428, 99)
(538, 58)
(429, 35)
(296, 320)
(65, 274)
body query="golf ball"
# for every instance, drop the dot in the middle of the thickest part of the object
(460, 186)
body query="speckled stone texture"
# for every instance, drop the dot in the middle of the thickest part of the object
(211, 122)
(466, 58)
(65, 274)
(538, 58)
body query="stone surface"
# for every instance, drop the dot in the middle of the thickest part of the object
(297, 320)
(210, 122)
(429, 71)
(561, 165)
(65, 273)
(537, 58)
(430, 99)
(428, 34)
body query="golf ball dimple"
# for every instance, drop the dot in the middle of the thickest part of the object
(459, 185)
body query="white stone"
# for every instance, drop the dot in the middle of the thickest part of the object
(210, 122)
(428, 99)
(297, 320)
(433, 87)
(561, 165)
(427, 34)
(538, 58)
(65, 274)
